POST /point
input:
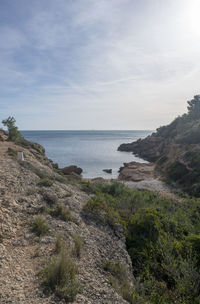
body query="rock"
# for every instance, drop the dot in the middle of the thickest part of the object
(149, 148)
(74, 176)
(71, 169)
(98, 179)
(50, 197)
(108, 171)
(136, 171)
(3, 135)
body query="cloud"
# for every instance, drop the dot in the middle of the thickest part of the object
(122, 61)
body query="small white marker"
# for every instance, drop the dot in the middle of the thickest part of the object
(20, 156)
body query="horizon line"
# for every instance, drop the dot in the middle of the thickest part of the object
(91, 130)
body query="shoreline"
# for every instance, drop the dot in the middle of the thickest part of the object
(141, 176)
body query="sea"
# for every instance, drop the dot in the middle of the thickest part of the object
(92, 150)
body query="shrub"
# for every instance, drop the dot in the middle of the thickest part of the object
(45, 182)
(119, 281)
(162, 160)
(13, 132)
(12, 152)
(78, 244)
(59, 277)
(162, 238)
(176, 171)
(88, 187)
(39, 226)
(116, 269)
(60, 211)
(115, 188)
(58, 243)
(97, 208)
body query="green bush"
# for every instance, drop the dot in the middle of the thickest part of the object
(87, 187)
(119, 281)
(60, 211)
(96, 208)
(39, 226)
(13, 132)
(116, 269)
(176, 171)
(162, 238)
(59, 277)
(78, 245)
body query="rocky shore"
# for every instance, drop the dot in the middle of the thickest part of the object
(175, 149)
(144, 176)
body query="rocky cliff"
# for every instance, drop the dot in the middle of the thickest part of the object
(175, 149)
(40, 211)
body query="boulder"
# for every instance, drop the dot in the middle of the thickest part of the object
(71, 169)
(108, 170)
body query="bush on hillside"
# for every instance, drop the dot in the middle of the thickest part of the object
(59, 276)
(162, 238)
(39, 226)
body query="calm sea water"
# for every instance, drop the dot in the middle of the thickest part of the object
(93, 151)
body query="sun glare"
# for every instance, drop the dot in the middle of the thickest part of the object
(192, 16)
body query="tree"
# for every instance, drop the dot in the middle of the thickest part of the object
(194, 107)
(13, 132)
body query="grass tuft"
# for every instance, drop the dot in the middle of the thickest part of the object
(60, 211)
(39, 226)
(78, 244)
(59, 277)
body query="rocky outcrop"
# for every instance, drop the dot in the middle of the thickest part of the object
(175, 149)
(71, 169)
(136, 172)
(23, 254)
(150, 148)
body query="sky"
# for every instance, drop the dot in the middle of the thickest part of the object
(98, 64)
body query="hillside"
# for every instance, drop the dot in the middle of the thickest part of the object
(175, 149)
(42, 220)
(68, 240)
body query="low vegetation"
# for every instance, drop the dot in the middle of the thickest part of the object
(162, 238)
(39, 226)
(45, 182)
(58, 243)
(78, 245)
(12, 152)
(59, 276)
(13, 132)
(119, 281)
(31, 191)
(61, 212)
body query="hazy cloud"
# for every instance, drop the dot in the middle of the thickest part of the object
(89, 64)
